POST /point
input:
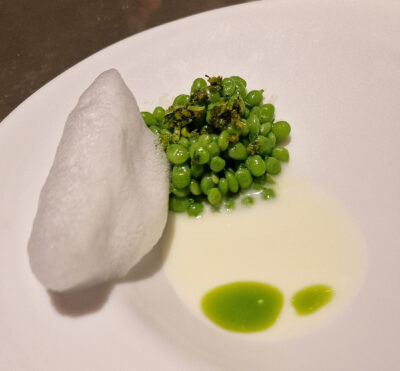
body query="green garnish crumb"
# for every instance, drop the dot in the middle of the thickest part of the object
(267, 193)
(248, 201)
(220, 140)
(230, 204)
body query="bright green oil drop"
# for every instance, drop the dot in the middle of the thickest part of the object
(243, 306)
(312, 298)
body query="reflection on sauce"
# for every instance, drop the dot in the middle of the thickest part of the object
(243, 306)
(312, 298)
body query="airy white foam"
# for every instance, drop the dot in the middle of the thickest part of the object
(105, 202)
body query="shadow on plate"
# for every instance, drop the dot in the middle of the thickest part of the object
(81, 302)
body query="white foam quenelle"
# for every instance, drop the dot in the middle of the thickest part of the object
(105, 202)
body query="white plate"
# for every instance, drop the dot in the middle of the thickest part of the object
(334, 70)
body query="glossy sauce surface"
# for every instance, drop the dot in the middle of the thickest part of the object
(299, 239)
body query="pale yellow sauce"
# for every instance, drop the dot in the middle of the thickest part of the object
(299, 239)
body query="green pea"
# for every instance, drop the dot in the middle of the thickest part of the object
(180, 176)
(185, 133)
(254, 97)
(197, 84)
(155, 129)
(246, 112)
(204, 139)
(244, 178)
(214, 137)
(281, 129)
(265, 128)
(267, 193)
(264, 145)
(184, 142)
(267, 112)
(181, 100)
(214, 197)
(272, 165)
(197, 170)
(148, 118)
(213, 149)
(255, 111)
(195, 209)
(253, 119)
(239, 79)
(256, 165)
(177, 154)
(247, 201)
(223, 140)
(215, 178)
(223, 186)
(255, 126)
(194, 187)
(232, 181)
(184, 192)
(229, 204)
(206, 183)
(192, 139)
(232, 129)
(280, 153)
(214, 96)
(271, 136)
(202, 156)
(178, 205)
(228, 86)
(237, 151)
(245, 128)
(217, 164)
(269, 179)
(241, 89)
(242, 104)
(199, 154)
(159, 114)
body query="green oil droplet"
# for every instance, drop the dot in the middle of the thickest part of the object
(243, 306)
(312, 298)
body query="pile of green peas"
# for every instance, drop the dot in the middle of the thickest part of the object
(221, 140)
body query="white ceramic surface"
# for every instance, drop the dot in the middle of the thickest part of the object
(333, 69)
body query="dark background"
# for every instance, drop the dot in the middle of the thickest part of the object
(39, 39)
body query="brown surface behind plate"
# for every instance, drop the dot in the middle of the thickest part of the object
(39, 39)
